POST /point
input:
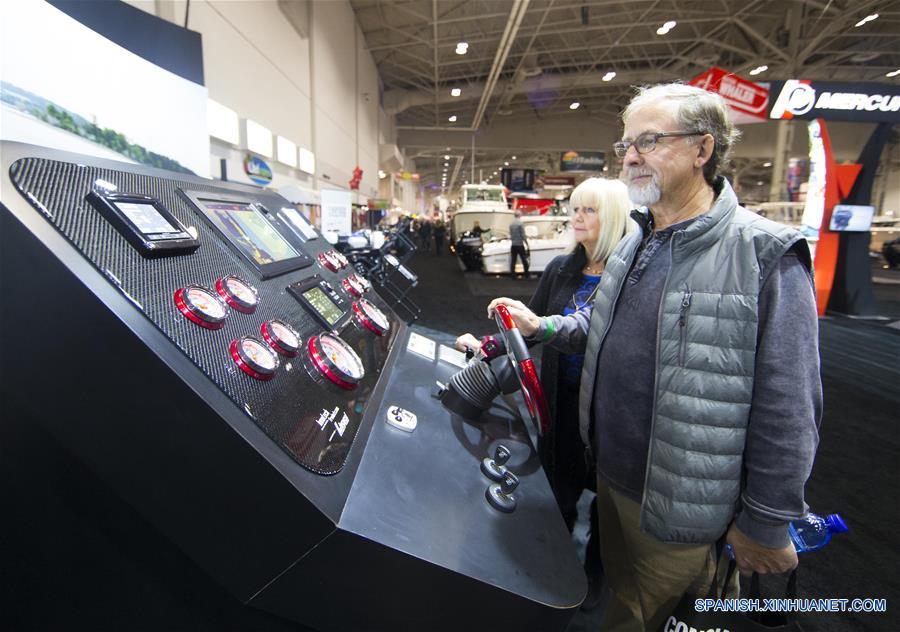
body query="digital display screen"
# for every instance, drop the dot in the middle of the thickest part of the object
(249, 231)
(299, 222)
(323, 305)
(146, 218)
(851, 218)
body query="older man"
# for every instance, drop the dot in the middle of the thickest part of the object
(700, 393)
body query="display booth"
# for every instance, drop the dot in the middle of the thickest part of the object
(841, 248)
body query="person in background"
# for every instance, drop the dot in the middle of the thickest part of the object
(425, 234)
(517, 247)
(599, 218)
(477, 230)
(440, 231)
(700, 391)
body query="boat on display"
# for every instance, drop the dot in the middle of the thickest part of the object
(548, 236)
(485, 204)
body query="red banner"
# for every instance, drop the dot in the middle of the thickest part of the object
(747, 100)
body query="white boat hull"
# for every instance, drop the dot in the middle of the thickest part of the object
(495, 256)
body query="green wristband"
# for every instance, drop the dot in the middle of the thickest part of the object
(549, 329)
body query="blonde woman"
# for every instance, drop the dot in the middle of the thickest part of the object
(599, 211)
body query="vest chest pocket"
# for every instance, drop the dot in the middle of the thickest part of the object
(682, 326)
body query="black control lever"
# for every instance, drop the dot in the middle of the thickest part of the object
(500, 495)
(495, 468)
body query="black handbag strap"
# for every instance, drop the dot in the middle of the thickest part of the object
(790, 591)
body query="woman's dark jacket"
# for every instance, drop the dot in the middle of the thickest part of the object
(560, 279)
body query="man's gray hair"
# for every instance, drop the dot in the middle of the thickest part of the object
(695, 110)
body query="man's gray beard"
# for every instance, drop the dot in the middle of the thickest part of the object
(645, 195)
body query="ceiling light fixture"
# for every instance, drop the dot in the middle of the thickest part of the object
(574, 105)
(506, 163)
(452, 119)
(381, 175)
(513, 157)
(455, 92)
(462, 48)
(893, 73)
(868, 18)
(665, 28)
(758, 70)
(446, 156)
(767, 164)
(609, 76)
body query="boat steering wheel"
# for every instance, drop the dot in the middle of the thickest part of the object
(520, 358)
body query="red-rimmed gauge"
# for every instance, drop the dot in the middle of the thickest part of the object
(352, 286)
(340, 258)
(336, 360)
(201, 305)
(371, 317)
(328, 261)
(239, 294)
(281, 336)
(363, 282)
(254, 357)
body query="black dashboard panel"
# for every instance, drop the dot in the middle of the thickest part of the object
(278, 476)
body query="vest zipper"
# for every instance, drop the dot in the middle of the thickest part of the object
(682, 326)
(659, 315)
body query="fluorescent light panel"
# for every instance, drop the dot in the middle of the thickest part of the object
(287, 151)
(259, 138)
(222, 122)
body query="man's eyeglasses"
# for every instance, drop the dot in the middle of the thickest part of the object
(645, 143)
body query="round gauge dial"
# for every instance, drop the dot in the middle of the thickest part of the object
(281, 336)
(340, 258)
(352, 286)
(239, 294)
(336, 360)
(254, 357)
(201, 305)
(371, 317)
(328, 261)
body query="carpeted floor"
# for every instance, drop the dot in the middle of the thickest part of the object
(857, 469)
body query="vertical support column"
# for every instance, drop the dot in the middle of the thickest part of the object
(472, 178)
(783, 140)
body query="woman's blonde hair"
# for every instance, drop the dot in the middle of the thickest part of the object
(610, 199)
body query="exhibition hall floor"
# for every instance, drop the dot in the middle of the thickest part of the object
(857, 469)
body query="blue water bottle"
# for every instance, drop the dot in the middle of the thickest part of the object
(810, 533)
(813, 532)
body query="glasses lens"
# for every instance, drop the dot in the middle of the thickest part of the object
(621, 149)
(645, 143)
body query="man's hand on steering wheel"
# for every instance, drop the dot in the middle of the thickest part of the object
(526, 320)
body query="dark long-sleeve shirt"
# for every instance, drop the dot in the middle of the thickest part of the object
(782, 430)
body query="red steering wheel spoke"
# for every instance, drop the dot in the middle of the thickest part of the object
(520, 357)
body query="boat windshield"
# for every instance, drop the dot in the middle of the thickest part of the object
(484, 195)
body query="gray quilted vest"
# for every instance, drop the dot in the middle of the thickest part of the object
(705, 357)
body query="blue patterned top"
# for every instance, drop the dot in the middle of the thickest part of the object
(582, 299)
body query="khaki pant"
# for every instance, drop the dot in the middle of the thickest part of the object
(647, 577)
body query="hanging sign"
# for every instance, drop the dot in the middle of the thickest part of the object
(748, 101)
(832, 101)
(257, 170)
(582, 161)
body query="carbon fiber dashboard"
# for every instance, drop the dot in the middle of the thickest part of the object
(310, 418)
